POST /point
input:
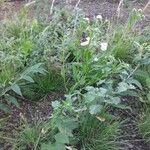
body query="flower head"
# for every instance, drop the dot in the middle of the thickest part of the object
(95, 59)
(43, 131)
(86, 42)
(86, 19)
(99, 17)
(104, 46)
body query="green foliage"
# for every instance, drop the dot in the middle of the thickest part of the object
(122, 40)
(15, 85)
(98, 134)
(43, 85)
(144, 124)
(94, 77)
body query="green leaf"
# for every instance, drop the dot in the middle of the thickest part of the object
(28, 78)
(89, 97)
(12, 100)
(122, 106)
(141, 73)
(71, 124)
(55, 104)
(123, 86)
(66, 126)
(145, 61)
(16, 89)
(94, 109)
(62, 138)
(55, 146)
(5, 108)
(115, 100)
(129, 93)
(148, 96)
(47, 146)
(135, 82)
(148, 82)
(102, 92)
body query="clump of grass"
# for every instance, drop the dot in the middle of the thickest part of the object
(124, 36)
(144, 125)
(99, 134)
(44, 85)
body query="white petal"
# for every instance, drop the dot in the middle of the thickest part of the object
(95, 59)
(99, 17)
(86, 42)
(104, 46)
(87, 19)
(43, 131)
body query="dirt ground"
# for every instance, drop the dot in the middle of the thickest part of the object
(107, 8)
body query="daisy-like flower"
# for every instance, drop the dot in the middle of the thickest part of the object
(95, 59)
(104, 46)
(43, 131)
(99, 17)
(86, 42)
(30, 3)
(86, 19)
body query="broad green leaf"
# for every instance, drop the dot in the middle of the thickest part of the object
(47, 146)
(122, 87)
(55, 104)
(54, 146)
(63, 129)
(148, 96)
(112, 100)
(135, 82)
(94, 109)
(148, 82)
(16, 89)
(145, 61)
(89, 97)
(129, 93)
(27, 78)
(102, 92)
(12, 100)
(71, 124)
(59, 146)
(141, 73)
(115, 100)
(5, 108)
(122, 106)
(62, 138)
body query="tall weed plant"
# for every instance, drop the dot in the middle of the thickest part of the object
(95, 72)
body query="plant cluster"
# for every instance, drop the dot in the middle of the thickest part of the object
(90, 60)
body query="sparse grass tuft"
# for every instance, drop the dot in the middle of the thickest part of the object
(99, 134)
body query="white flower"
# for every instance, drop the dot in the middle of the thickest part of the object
(87, 19)
(43, 131)
(104, 46)
(95, 59)
(139, 10)
(30, 3)
(99, 17)
(86, 42)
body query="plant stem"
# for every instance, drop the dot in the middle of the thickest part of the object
(37, 142)
(51, 9)
(77, 4)
(6, 138)
(133, 71)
